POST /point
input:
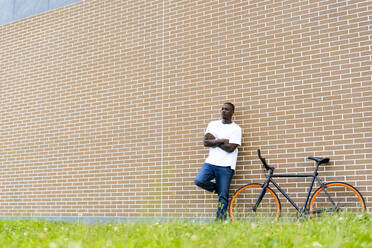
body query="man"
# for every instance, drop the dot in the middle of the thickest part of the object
(222, 137)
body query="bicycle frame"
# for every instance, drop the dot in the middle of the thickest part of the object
(271, 180)
(314, 177)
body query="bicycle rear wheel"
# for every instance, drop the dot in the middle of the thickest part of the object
(337, 197)
(244, 199)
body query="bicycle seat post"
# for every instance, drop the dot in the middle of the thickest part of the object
(316, 169)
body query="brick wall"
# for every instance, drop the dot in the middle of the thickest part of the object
(104, 103)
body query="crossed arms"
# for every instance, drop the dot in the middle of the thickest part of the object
(211, 141)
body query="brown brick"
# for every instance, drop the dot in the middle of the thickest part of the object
(105, 104)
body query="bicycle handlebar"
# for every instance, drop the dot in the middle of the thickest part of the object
(263, 160)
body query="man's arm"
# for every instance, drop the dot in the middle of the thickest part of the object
(211, 141)
(229, 147)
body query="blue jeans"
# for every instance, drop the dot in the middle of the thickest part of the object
(223, 176)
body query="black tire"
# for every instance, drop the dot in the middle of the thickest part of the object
(345, 196)
(241, 204)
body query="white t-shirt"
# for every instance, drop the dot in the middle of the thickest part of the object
(233, 133)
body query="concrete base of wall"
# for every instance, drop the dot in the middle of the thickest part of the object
(99, 220)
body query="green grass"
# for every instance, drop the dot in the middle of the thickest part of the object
(336, 231)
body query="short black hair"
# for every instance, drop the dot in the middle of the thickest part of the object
(231, 105)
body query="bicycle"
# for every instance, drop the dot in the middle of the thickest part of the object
(259, 200)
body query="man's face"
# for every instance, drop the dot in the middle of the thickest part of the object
(227, 112)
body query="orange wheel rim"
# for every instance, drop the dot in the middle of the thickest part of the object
(252, 186)
(338, 184)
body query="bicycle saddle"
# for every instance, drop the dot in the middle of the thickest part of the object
(319, 160)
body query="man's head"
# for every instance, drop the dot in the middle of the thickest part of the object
(227, 112)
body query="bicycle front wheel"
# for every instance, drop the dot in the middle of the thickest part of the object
(245, 198)
(336, 197)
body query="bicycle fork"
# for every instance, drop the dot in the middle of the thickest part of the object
(262, 194)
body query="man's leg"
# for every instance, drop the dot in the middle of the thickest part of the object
(204, 177)
(223, 180)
